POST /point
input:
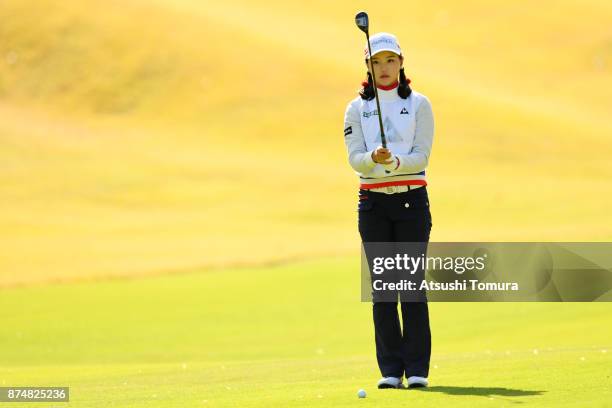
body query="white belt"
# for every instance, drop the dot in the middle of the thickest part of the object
(394, 189)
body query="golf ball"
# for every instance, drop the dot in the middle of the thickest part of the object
(361, 393)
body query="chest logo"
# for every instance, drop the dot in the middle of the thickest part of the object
(391, 133)
(404, 112)
(368, 114)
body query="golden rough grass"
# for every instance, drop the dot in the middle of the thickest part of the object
(147, 137)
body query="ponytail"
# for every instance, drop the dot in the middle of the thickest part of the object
(403, 89)
(367, 89)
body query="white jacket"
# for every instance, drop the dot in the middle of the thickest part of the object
(409, 129)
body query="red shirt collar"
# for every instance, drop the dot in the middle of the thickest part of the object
(389, 87)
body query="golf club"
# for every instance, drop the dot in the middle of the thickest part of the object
(363, 22)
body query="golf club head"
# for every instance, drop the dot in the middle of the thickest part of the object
(362, 21)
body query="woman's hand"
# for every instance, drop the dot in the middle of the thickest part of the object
(382, 155)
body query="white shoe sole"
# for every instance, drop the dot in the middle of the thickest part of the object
(420, 382)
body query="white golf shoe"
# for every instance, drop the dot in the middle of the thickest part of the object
(391, 382)
(417, 382)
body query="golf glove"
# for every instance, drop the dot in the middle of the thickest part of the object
(393, 165)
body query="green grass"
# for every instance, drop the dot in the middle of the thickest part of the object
(238, 338)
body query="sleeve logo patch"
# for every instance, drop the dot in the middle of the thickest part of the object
(348, 131)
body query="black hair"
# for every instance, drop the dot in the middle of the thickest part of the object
(403, 89)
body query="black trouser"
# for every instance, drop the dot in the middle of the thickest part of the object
(399, 217)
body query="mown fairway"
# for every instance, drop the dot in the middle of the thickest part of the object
(237, 338)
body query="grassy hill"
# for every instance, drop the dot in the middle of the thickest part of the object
(164, 136)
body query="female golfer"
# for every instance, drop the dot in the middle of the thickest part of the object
(393, 201)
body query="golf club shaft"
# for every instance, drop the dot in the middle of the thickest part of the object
(380, 122)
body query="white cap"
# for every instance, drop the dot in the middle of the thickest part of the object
(382, 42)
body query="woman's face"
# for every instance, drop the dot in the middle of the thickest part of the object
(386, 67)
